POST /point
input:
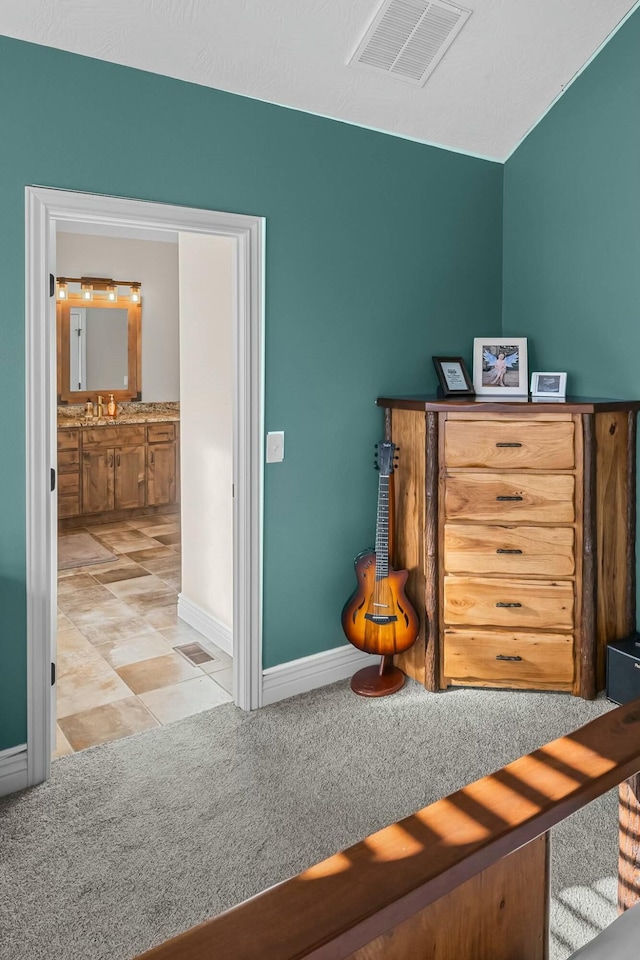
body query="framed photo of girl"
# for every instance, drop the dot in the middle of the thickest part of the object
(500, 368)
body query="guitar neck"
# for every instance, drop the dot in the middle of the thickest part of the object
(382, 529)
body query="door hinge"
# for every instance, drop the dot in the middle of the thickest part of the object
(53, 674)
(52, 285)
(53, 479)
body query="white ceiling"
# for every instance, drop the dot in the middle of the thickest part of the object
(509, 63)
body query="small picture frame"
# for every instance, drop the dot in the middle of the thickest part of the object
(453, 377)
(551, 386)
(500, 367)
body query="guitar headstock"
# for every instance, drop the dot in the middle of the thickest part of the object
(386, 458)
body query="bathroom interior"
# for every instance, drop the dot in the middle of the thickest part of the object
(144, 475)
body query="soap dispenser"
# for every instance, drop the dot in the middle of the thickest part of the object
(111, 407)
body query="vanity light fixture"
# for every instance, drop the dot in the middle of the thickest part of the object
(97, 288)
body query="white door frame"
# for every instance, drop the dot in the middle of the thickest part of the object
(44, 206)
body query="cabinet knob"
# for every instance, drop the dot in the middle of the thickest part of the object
(508, 498)
(501, 656)
(500, 604)
(504, 550)
(508, 444)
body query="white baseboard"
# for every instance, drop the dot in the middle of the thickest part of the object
(13, 769)
(307, 673)
(210, 628)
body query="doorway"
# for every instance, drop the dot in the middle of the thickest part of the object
(162, 345)
(46, 210)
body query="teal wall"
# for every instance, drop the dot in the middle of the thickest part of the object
(380, 252)
(572, 228)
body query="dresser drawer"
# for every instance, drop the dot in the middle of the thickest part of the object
(511, 498)
(509, 658)
(69, 506)
(68, 439)
(516, 551)
(513, 445)
(69, 461)
(475, 601)
(113, 436)
(68, 483)
(161, 432)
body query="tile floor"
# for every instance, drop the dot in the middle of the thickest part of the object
(122, 651)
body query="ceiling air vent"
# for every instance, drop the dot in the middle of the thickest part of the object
(408, 38)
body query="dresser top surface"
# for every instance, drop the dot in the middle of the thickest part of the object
(430, 402)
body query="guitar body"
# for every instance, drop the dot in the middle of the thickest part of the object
(378, 618)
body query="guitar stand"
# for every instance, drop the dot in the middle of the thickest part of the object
(378, 681)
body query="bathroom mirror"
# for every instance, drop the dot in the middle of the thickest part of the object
(98, 349)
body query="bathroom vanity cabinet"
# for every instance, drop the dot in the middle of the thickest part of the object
(115, 471)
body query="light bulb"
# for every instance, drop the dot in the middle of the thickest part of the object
(112, 293)
(87, 291)
(135, 293)
(63, 293)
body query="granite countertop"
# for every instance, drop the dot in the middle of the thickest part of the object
(73, 416)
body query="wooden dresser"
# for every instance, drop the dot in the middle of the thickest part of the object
(517, 524)
(117, 470)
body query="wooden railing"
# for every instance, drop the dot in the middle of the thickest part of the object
(469, 872)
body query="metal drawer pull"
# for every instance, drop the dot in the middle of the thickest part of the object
(502, 657)
(503, 550)
(508, 444)
(508, 498)
(508, 604)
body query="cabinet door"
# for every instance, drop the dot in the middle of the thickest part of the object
(161, 474)
(129, 477)
(97, 480)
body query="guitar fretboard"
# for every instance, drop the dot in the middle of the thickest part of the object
(382, 529)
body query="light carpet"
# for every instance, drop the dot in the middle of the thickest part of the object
(131, 842)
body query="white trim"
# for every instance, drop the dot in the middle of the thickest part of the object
(40, 517)
(44, 206)
(210, 628)
(13, 769)
(307, 673)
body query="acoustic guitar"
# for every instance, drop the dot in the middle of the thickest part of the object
(378, 617)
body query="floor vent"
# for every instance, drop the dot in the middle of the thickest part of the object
(408, 38)
(194, 653)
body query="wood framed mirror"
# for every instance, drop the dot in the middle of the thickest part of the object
(99, 349)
